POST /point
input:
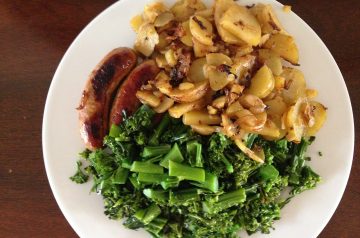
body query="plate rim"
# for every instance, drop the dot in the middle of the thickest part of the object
(55, 80)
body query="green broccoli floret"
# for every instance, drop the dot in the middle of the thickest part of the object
(79, 177)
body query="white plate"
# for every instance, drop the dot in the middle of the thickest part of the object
(305, 216)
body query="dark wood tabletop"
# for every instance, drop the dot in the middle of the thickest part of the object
(34, 36)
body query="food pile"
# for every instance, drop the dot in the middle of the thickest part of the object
(207, 131)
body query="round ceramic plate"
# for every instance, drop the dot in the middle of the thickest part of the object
(305, 216)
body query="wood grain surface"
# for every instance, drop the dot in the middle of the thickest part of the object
(34, 35)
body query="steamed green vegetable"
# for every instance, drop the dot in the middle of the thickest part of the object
(175, 183)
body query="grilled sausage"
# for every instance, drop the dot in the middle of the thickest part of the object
(99, 89)
(125, 98)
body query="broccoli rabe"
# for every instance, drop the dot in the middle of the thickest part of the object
(79, 177)
(174, 183)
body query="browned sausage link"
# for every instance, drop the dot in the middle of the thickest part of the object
(125, 98)
(95, 102)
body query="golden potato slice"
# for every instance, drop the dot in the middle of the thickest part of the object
(219, 9)
(242, 65)
(200, 50)
(283, 45)
(179, 109)
(287, 8)
(276, 107)
(206, 13)
(151, 11)
(171, 57)
(183, 9)
(218, 78)
(198, 91)
(163, 42)
(187, 38)
(262, 83)
(270, 130)
(136, 22)
(147, 97)
(211, 110)
(233, 108)
(319, 112)
(146, 39)
(294, 121)
(267, 18)
(161, 61)
(219, 102)
(197, 117)
(186, 86)
(272, 60)
(196, 71)
(205, 130)
(279, 82)
(201, 29)
(295, 85)
(311, 93)
(243, 50)
(241, 23)
(274, 63)
(163, 19)
(217, 59)
(165, 104)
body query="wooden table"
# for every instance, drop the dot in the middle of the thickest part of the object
(34, 35)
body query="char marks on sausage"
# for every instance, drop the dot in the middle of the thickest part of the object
(96, 98)
(125, 98)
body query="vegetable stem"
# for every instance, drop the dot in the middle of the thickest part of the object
(225, 201)
(120, 176)
(145, 167)
(154, 139)
(186, 172)
(148, 214)
(174, 155)
(152, 151)
(184, 196)
(194, 150)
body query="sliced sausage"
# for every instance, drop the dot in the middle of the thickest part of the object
(99, 89)
(125, 98)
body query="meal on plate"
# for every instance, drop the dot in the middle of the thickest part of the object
(202, 129)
